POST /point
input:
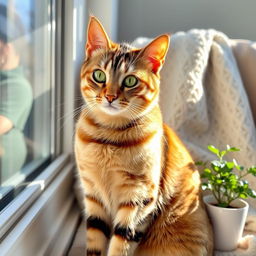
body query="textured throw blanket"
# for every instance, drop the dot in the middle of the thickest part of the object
(204, 100)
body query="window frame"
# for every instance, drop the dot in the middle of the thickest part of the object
(35, 167)
(25, 199)
(35, 232)
(26, 214)
(9, 200)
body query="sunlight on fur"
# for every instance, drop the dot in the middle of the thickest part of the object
(142, 189)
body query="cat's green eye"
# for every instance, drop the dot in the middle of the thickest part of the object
(99, 76)
(130, 81)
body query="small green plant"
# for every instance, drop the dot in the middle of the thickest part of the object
(221, 180)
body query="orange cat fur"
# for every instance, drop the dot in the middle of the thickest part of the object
(142, 190)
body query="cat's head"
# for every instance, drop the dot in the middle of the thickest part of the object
(118, 80)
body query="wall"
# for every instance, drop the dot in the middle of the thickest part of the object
(150, 18)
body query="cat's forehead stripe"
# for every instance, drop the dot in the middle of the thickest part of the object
(122, 57)
(108, 65)
(108, 60)
(122, 67)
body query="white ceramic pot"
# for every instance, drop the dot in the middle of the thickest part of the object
(228, 223)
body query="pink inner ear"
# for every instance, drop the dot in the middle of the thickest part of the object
(95, 44)
(155, 52)
(155, 64)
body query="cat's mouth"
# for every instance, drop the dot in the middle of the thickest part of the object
(110, 106)
(110, 109)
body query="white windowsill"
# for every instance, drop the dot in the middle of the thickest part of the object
(35, 218)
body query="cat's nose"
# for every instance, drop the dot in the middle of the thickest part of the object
(110, 98)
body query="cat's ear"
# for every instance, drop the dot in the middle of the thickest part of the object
(96, 37)
(155, 52)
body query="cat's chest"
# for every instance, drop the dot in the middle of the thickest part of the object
(102, 165)
(109, 167)
(107, 158)
(101, 157)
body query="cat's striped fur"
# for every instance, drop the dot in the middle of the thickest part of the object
(141, 186)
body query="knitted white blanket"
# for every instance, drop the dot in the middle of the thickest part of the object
(203, 99)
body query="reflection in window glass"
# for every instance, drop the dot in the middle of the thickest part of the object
(25, 91)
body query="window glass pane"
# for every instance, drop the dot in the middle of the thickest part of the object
(25, 89)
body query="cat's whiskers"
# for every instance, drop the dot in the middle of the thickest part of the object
(72, 113)
(88, 109)
(67, 117)
(134, 117)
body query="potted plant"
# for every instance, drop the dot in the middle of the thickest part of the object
(225, 206)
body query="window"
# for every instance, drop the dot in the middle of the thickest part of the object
(26, 93)
(42, 218)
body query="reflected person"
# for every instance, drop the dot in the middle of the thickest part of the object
(15, 97)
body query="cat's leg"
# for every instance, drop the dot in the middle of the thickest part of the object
(128, 232)
(134, 208)
(97, 235)
(98, 224)
(125, 240)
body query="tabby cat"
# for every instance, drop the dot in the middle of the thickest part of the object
(141, 187)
